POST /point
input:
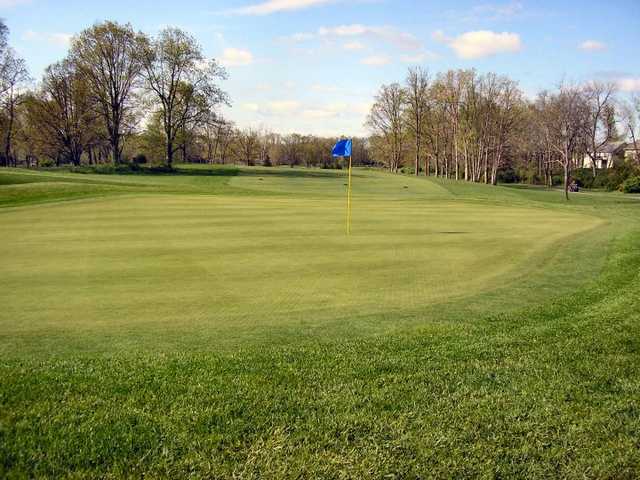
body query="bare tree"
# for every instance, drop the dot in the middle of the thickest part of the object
(268, 142)
(599, 128)
(386, 120)
(63, 111)
(630, 113)
(292, 149)
(247, 145)
(108, 55)
(563, 115)
(13, 79)
(417, 87)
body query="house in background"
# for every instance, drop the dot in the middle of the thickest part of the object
(631, 152)
(606, 155)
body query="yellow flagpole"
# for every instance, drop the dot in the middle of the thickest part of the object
(349, 201)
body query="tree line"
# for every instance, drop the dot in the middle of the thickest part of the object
(262, 147)
(114, 80)
(122, 96)
(469, 126)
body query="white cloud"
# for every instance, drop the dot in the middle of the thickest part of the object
(319, 113)
(252, 107)
(498, 12)
(481, 43)
(629, 84)
(439, 36)
(263, 87)
(289, 115)
(302, 37)
(344, 30)
(273, 108)
(325, 88)
(58, 39)
(362, 108)
(376, 60)
(418, 57)
(331, 110)
(354, 46)
(13, 3)
(282, 106)
(236, 57)
(286, 108)
(592, 46)
(274, 6)
(391, 35)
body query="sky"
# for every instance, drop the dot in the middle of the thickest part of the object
(314, 66)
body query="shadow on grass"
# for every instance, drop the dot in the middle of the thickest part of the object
(286, 172)
(524, 186)
(199, 170)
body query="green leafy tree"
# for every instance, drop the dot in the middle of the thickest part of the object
(183, 83)
(108, 56)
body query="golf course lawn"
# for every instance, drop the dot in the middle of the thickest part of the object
(219, 322)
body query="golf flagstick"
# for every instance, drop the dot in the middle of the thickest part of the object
(342, 149)
(349, 201)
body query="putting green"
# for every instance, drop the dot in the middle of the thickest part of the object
(234, 264)
(218, 323)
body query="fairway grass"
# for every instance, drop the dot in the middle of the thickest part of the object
(220, 323)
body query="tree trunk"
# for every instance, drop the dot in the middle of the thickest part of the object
(636, 153)
(115, 149)
(417, 155)
(566, 178)
(455, 150)
(7, 147)
(169, 153)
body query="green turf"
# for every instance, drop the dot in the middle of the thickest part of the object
(219, 323)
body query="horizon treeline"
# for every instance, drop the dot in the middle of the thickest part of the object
(469, 126)
(114, 85)
(122, 96)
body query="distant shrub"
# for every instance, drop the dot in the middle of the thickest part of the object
(631, 185)
(158, 169)
(140, 159)
(604, 180)
(613, 178)
(46, 163)
(584, 177)
(508, 175)
(102, 169)
(108, 168)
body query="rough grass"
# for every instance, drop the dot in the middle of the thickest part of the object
(222, 325)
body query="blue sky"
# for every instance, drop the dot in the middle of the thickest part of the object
(313, 66)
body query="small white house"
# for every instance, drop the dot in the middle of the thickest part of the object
(606, 155)
(631, 152)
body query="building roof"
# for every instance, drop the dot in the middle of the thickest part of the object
(611, 147)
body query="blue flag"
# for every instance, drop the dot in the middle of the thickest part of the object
(342, 148)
